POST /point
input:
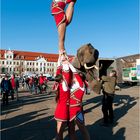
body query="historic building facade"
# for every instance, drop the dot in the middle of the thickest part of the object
(21, 62)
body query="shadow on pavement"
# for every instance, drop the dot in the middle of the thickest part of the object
(29, 126)
(27, 100)
(38, 125)
(122, 103)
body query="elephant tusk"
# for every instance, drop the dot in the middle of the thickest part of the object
(94, 66)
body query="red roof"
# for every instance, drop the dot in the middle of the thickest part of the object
(31, 56)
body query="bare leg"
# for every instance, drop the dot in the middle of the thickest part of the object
(69, 11)
(60, 129)
(83, 130)
(61, 36)
(72, 131)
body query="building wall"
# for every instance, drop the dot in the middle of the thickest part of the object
(9, 64)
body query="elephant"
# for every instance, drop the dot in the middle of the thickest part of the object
(85, 63)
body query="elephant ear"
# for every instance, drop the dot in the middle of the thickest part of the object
(76, 63)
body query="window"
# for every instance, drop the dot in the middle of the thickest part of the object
(40, 64)
(27, 69)
(18, 57)
(37, 64)
(17, 63)
(36, 69)
(22, 57)
(10, 56)
(30, 63)
(27, 63)
(44, 64)
(7, 63)
(10, 63)
(7, 56)
(48, 64)
(14, 63)
(40, 69)
(3, 62)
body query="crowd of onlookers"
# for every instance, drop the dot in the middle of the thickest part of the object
(10, 84)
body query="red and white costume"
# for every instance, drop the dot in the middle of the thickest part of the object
(57, 9)
(71, 91)
(62, 108)
(77, 90)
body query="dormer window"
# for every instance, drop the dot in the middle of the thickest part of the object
(22, 57)
(17, 57)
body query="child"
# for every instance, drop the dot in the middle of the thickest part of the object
(62, 19)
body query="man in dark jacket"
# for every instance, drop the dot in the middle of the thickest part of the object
(5, 88)
(109, 83)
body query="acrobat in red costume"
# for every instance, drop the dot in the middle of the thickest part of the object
(62, 108)
(71, 91)
(58, 12)
(77, 90)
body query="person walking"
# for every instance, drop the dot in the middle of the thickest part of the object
(5, 89)
(108, 90)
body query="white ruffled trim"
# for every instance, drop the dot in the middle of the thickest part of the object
(64, 86)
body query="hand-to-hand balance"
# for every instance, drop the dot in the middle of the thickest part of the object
(71, 77)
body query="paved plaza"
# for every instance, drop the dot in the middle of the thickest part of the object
(31, 118)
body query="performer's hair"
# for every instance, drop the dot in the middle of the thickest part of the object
(58, 79)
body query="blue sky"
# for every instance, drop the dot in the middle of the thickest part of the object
(110, 25)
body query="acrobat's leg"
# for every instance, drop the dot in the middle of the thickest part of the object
(69, 12)
(60, 129)
(83, 130)
(71, 130)
(61, 36)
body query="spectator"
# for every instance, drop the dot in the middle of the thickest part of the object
(22, 82)
(41, 83)
(31, 84)
(15, 86)
(27, 79)
(0, 82)
(5, 89)
(109, 83)
(36, 83)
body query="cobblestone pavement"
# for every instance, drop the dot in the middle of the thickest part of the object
(31, 118)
